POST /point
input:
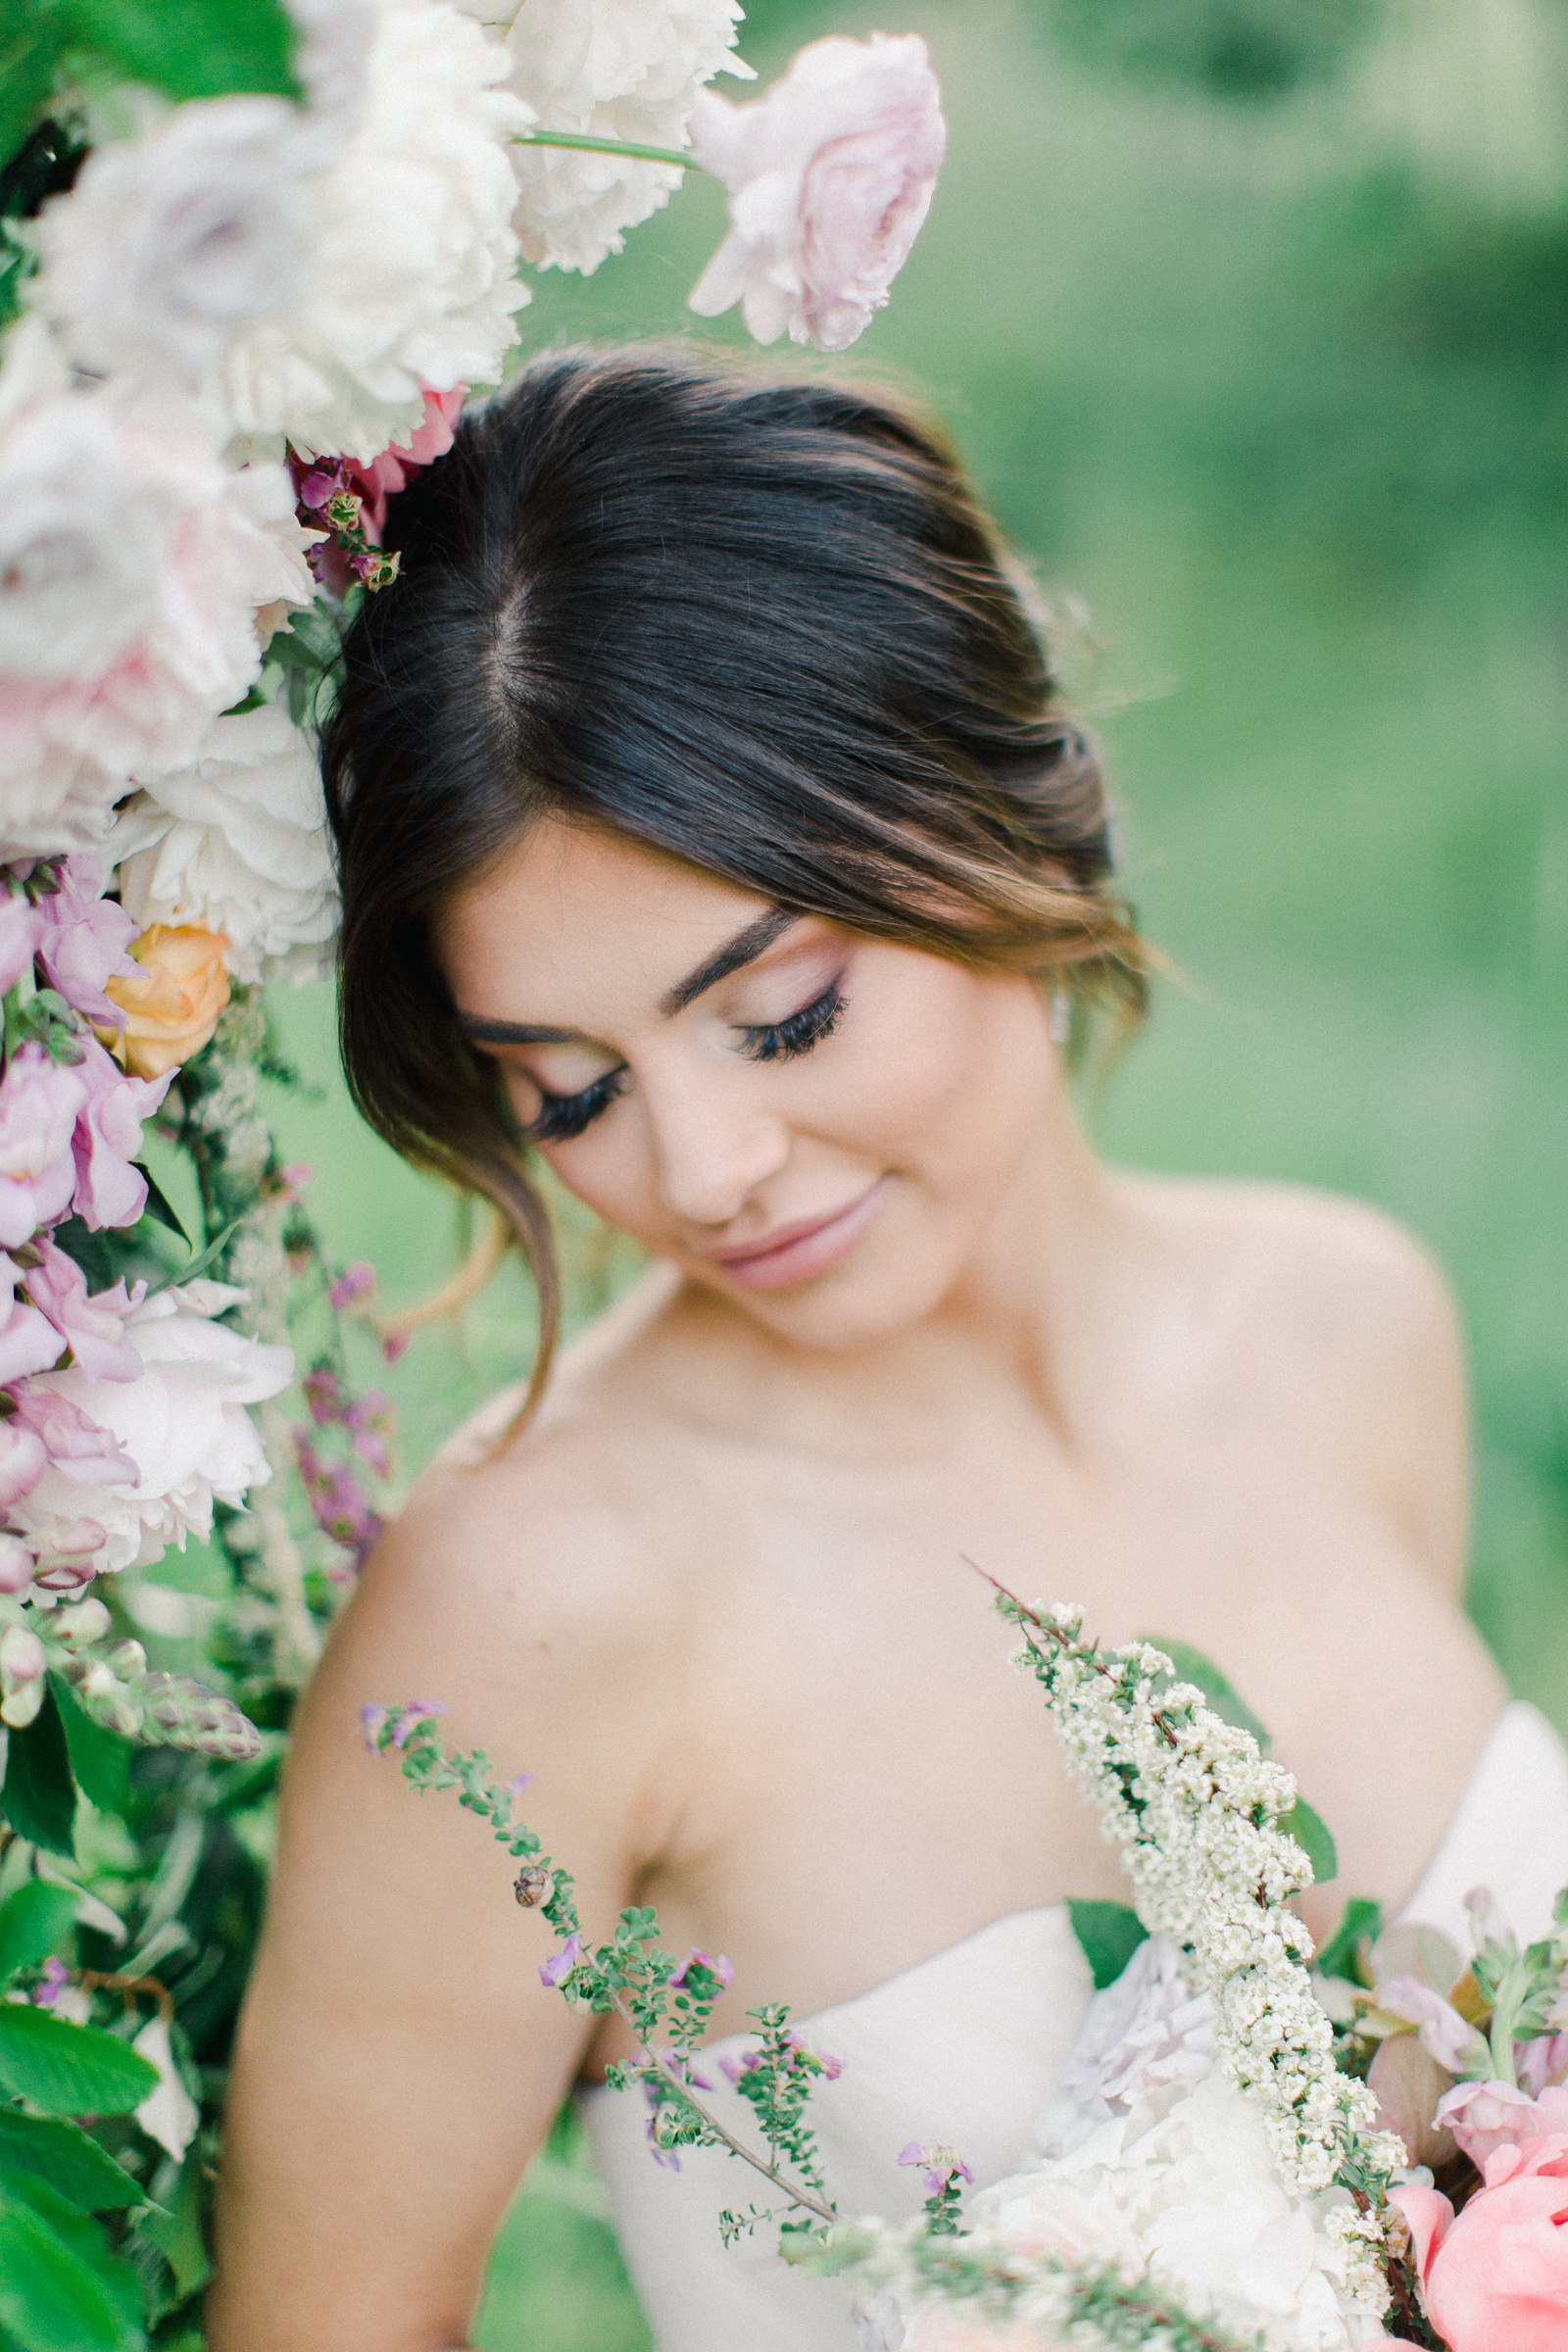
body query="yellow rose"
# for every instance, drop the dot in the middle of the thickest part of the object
(172, 1004)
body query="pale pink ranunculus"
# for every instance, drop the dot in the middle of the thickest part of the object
(39, 1099)
(109, 1189)
(29, 1340)
(93, 1328)
(82, 938)
(1486, 2115)
(830, 175)
(1496, 2277)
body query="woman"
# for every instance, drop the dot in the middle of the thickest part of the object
(709, 831)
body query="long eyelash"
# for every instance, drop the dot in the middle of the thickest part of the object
(781, 1041)
(559, 1117)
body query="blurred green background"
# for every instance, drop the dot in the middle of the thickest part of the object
(1253, 317)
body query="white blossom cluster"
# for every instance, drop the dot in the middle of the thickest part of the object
(1196, 1806)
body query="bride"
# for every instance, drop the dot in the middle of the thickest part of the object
(710, 832)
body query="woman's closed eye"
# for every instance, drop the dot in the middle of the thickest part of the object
(559, 1117)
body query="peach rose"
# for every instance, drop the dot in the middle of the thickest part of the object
(172, 1002)
(1496, 2279)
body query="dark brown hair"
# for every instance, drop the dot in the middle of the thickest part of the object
(755, 620)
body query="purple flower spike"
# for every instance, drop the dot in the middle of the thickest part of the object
(558, 1967)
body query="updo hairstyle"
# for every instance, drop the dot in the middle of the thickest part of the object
(755, 620)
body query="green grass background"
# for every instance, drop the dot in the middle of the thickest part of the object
(1274, 395)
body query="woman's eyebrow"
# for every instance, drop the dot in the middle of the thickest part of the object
(744, 948)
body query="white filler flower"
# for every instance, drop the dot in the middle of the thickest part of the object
(611, 70)
(174, 243)
(412, 260)
(131, 565)
(182, 1422)
(238, 842)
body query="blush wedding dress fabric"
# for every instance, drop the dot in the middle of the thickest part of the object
(967, 2047)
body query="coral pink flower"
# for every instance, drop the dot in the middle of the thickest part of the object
(830, 175)
(1496, 2279)
(109, 1189)
(1486, 2115)
(39, 1099)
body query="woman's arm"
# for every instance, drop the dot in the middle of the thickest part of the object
(398, 2060)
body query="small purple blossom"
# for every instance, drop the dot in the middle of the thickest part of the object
(939, 2166)
(407, 1720)
(721, 1969)
(354, 1287)
(558, 1967)
(56, 1977)
(323, 1393)
(373, 1720)
(519, 1781)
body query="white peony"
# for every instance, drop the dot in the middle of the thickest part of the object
(236, 842)
(175, 242)
(413, 262)
(131, 565)
(610, 69)
(1142, 2039)
(182, 1421)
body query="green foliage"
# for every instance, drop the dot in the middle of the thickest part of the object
(1302, 1822)
(1344, 1953)
(39, 1796)
(33, 1922)
(1237, 49)
(71, 2163)
(67, 2068)
(1110, 1933)
(61, 2288)
(1313, 1836)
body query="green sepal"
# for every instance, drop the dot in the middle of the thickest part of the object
(33, 1921)
(71, 2162)
(1109, 1935)
(39, 1796)
(67, 2068)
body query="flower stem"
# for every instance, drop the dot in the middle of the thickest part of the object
(596, 146)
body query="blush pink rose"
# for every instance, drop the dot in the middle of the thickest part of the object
(1486, 2115)
(39, 1099)
(830, 175)
(1496, 2277)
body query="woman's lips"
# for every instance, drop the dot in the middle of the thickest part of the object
(795, 1253)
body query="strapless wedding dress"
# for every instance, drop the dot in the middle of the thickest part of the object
(967, 2048)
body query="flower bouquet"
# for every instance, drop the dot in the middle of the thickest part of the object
(1242, 2154)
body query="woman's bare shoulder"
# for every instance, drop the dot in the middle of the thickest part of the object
(1343, 1327)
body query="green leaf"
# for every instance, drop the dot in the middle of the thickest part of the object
(64, 2156)
(1194, 1666)
(30, 56)
(61, 2287)
(100, 1759)
(39, 1796)
(178, 2234)
(32, 1924)
(66, 2069)
(186, 48)
(1312, 1832)
(1362, 1923)
(160, 1207)
(1110, 1933)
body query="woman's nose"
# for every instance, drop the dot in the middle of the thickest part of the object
(714, 1148)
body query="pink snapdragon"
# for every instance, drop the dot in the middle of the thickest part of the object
(29, 1340)
(1445, 2036)
(92, 1327)
(1494, 2279)
(24, 1459)
(82, 941)
(69, 1437)
(1486, 2116)
(109, 1189)
(39, 1099)
(20, 929)
(830, 175)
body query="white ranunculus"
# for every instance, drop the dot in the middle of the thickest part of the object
(182, 1422)
(236, 842)
(175, 242)
(131, 565)
(412, 272)
(613, 69)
